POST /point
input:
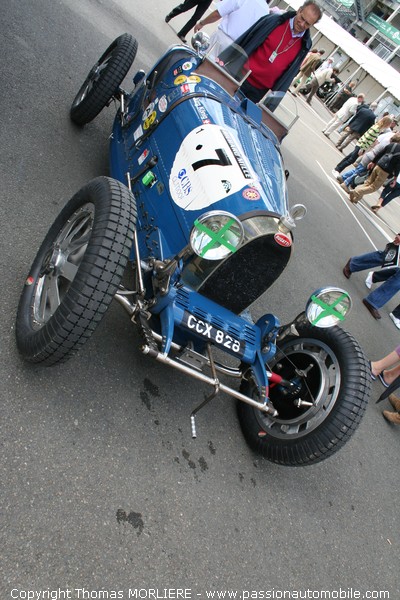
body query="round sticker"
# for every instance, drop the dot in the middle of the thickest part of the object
(162, 104)
(283, 240)
(251, 194)
(180, 79)
(187, 66)
(150, 120)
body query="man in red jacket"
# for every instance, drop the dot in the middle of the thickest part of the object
(275, 46)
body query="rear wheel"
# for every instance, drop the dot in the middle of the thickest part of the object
(76, 272)
(104, 79)
(330, 372)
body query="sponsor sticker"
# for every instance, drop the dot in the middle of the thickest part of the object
(162, 104)
(283, 240)
(251, 194)
(194, 79)
(148, 111)
(187, 65)
(185, 88)
(203, 114)
(138, 133)
(180, 79)
(143, 156)
(226, 185)
(150, 120)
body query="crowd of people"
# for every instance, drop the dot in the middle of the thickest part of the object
(374, 163)
(278, 54)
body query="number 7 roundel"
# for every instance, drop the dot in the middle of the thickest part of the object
(209, 166)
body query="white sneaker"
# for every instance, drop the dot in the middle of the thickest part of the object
(369, 282)
(395, 320)
(335, 173)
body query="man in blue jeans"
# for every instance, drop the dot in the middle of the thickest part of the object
(378, 277)
(384, 292)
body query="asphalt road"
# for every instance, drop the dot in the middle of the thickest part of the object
(103, 489)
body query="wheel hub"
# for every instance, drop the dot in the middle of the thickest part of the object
(53, 261)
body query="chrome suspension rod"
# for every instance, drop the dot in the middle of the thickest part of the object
(166, 360)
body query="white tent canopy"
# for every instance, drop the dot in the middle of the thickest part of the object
(383, 73)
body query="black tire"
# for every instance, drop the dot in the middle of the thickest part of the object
(76, 272)
(104, 79)
(339, 382)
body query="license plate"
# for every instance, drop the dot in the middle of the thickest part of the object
(211, 333)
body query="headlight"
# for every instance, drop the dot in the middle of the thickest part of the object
(216, 234)
(328, 306)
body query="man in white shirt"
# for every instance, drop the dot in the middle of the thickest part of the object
(343, 114)
(319, 78)
(237, 16)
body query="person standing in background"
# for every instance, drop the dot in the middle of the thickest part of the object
(383, 275)
(345, 93)
(202, 6)
(319, 79)
(362, 120)
(236, 17)
(275, 46)
(348, 178)
(309, 65)
(344, 114)
(389, 287)
(365, 142)
(390, 191)
(385, 164)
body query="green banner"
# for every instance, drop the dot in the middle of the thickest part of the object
(386, 28)
(348, 3)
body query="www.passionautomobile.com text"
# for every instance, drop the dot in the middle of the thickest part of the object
(190, 594)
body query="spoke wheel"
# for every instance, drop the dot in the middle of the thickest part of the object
(330, 373)
(76, 272)
(104, 79)
(61, 264)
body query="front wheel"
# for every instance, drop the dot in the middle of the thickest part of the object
(330, 373)
(104, 79)
(76, 272)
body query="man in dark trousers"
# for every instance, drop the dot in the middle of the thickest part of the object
(345, 93)
(202, 6)
(275, 46)
(358, 125)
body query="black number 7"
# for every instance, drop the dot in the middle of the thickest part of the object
(222, 160)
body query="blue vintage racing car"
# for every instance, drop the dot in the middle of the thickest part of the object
(191, 227)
